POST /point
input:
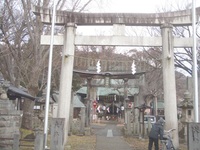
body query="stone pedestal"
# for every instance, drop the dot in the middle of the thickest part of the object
(10, 123)
(88, 131)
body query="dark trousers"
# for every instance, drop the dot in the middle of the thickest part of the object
(155, 141)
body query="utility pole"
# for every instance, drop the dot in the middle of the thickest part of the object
(195, 74)
(49, 77)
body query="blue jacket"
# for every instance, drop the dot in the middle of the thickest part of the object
(157, 129)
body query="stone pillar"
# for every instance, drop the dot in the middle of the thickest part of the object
(57, 134)
(136, 124)
(10, 123)
(128, 125)
(169, 82)
(66, 77)
(71, 115)
(55, 110)
(88, 102)
(93, 97)
(82, 113)
(38, 143)
(119, 29)
(125, 97)
(16, 142)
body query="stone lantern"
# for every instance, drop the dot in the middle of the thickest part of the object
(142, 109)
(187, 111)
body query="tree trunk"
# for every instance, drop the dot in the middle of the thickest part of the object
(28, 112)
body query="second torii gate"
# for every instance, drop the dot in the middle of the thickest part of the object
(119, 20)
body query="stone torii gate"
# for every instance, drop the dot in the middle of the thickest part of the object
(119, 20)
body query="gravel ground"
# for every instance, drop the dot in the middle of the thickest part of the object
(142, 144)
(88, 143)
(78, 142)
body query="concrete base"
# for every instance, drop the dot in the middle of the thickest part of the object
(88, 131)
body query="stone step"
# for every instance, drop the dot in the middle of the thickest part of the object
(9, 123)
(5, 147)
(5, 135)
(9, 130)
(6, 144)
(9, 107)
(6, 104)
(6, 141)
(5, 101)
(15, 119)
(12, 112)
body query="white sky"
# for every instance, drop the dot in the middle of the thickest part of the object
(140, 6)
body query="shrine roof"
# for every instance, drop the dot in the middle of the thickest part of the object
(112, 75)
(105, 91)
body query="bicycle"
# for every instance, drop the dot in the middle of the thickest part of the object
(167, 143)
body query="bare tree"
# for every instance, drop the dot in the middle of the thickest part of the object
(24, 62)
(182, 56)
(149, 61)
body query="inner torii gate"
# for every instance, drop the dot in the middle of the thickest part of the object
(166, 21)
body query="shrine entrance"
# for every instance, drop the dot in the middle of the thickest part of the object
(110, 107)
(165, 21)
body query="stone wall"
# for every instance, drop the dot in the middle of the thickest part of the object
(10, 123)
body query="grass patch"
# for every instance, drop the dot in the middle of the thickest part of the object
(26, 145)
(76, 142)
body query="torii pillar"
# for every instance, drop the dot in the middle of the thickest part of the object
(169, 82)
(64, 101)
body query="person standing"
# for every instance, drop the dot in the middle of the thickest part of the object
(156, 131)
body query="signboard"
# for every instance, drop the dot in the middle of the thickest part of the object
(193, 136)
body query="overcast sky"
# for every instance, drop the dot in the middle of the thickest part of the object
(141, 6)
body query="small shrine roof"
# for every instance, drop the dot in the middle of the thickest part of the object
(14, 92)
(77, 103)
